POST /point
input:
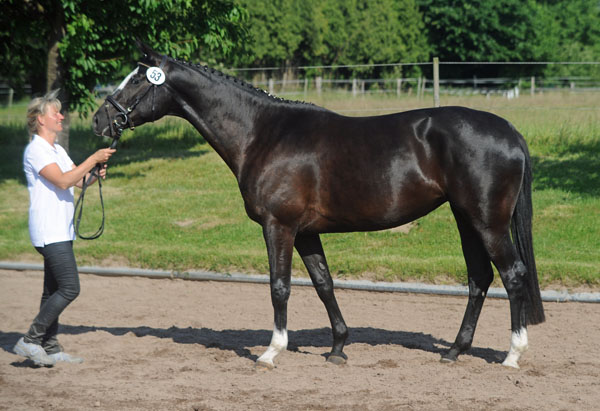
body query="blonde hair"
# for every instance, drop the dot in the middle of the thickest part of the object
(38, 107)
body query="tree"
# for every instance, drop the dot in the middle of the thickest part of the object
(22, 50)
(482, 30)
(374, 32)
(569, 31)
(79, 44)
(274, 30)
(338, 32)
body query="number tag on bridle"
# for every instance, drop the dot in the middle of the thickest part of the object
(155, 75)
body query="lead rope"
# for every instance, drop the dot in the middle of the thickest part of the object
(79, 205)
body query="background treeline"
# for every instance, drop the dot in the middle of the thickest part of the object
(75, 45)
(288, 33)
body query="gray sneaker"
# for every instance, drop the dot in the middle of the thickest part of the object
(34, 352)
(64, 357)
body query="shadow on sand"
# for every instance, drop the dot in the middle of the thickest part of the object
(239, 341)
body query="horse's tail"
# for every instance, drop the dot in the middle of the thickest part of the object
(523, 239)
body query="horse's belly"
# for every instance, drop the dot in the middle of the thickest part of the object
(372, 209)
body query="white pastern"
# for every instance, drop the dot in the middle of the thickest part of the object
(279, 343)
(518, 345)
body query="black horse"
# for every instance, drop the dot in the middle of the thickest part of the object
(303, 170)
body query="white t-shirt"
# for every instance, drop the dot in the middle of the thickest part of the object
(50, 208)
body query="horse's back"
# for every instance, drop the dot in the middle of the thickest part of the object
(441, 129)
(439, 144)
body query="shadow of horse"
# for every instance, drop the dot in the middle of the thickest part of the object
(238, 341)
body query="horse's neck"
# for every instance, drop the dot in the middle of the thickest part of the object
(223, 113)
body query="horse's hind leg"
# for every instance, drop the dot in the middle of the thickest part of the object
(502, 252)
(310, 249)
(513, 273)
(481, 275)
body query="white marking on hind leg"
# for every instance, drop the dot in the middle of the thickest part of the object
(279, 343)
(518, 345)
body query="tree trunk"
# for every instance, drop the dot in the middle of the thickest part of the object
(56, 72)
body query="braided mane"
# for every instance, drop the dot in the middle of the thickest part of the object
(239, 83)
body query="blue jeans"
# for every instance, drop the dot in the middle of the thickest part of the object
(61, 287)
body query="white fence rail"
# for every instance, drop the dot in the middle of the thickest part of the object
(403, 85)
(296, 81)
(283, 83)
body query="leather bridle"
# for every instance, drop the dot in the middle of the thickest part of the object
(120, 121)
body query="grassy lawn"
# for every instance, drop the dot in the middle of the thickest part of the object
(171, 202)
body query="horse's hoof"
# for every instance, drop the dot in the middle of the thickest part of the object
(447, 360)
(336, 359)
(450, 356)
(511, 364)
(263, 366)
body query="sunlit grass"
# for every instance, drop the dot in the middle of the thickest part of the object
(171, 202)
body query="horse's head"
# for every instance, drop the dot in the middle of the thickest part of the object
(141, 97)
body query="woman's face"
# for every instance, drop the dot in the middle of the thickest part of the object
(51, 120)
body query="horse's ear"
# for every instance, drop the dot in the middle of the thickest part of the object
(139, 43)
(144, 48)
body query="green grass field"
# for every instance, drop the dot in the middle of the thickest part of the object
(171, 202)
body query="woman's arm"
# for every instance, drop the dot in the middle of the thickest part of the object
(55, 175)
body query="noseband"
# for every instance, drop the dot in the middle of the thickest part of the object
(121, 118)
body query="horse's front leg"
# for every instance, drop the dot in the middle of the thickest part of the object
(280, 241)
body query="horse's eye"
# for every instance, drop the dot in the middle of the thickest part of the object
(135, 81)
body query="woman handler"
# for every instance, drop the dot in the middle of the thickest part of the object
(51, 175)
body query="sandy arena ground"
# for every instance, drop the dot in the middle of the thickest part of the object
(188, 345)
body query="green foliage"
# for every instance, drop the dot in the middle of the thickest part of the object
(514, 30)
(482, 30)
(23, 53)
(288, 33)
(97, 37)
(569, 31)
(375, 31)
(275, 29)
(332, 32)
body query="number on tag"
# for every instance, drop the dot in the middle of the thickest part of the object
(155, 75)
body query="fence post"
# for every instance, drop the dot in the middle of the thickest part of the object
(354, 87)
(318, 83)
(398, 86)
(11, 93)
(305, 85)
(271, 86)
(532, 86)
(436, 82)
(419, 87)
